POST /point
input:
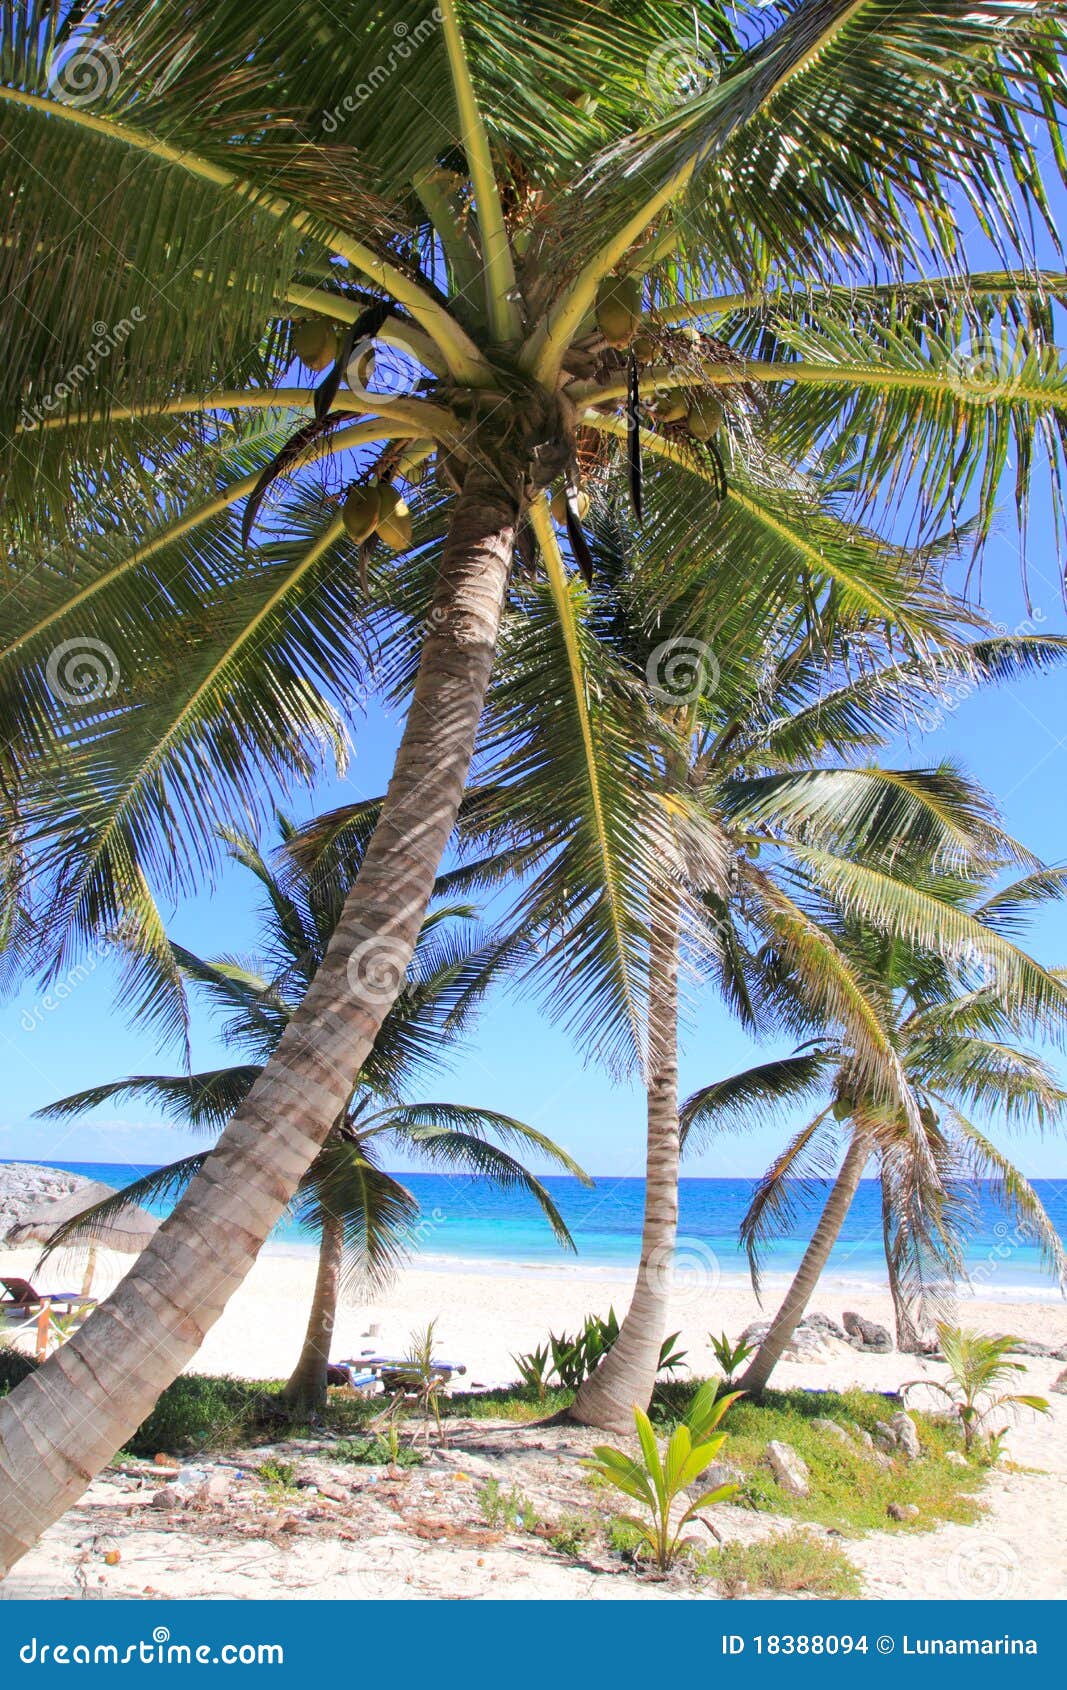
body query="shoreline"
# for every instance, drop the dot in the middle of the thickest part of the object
(485, 1314)
(731, 1281)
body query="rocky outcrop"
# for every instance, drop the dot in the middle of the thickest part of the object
(866, 1334)
(814, 1339)
(25, 1186)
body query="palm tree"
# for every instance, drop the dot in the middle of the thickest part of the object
(753, 763)
(364, 1217)
(953, 1032)
(470, 216)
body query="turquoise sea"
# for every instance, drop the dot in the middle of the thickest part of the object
(467, 1220)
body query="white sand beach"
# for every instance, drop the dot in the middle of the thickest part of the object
(484, 1312)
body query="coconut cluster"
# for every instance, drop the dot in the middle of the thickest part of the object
(380, 510)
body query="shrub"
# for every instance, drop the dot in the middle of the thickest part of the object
(507, 1510)
(790, 1562)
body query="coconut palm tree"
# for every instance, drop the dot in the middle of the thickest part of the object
(501, 214)
(954, 1031)
(364, 1218)
(754, 760)
(817, 689)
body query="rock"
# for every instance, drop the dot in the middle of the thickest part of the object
(165, 1461)
(882, 1461)
(789, 1470)
(902, 1511)
(957, 1458)
(861, 1434)
(720, 1473)
(823, 1323)
(907, 1435)
(832, 1430)
(1030, 1347)
(808, 1343)
(866, 1334)
(885, 1438)
(166, 1497)
(1060, 1383)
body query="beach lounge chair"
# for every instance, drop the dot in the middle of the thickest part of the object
(403, 1364)
(21, 1299)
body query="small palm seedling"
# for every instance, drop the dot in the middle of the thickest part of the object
(416, 1377)
(535, 1369)
(978, 1365)
(570, 1360)
(657, 1481)
(730, 1356)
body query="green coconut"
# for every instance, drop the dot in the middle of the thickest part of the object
(644, 348)
(360, 513)
(394, 519)
(673, 406)
(843, 1107)
(618, 309)
(558, 505)
(704, 416)
(752, 849)
(315, 343)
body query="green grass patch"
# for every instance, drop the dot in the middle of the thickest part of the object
(849, 1490)
(506, 1510)
(201, 1412)
(520, 1403)
(375, 1451)
(788, 1564)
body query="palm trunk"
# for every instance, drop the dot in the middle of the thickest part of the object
(627, 1374)
(807, 1275)
(306, 1388)
(60, 1427)
(908, 1340)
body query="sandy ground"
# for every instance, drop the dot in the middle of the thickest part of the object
(419, 1533)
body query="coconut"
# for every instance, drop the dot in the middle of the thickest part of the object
(644, 348)
(673, 406)
(752, 849)
(559, 505)
(618, 309)
(704, 416)
(394, 519)
(315, 343)
(360, 513)
(843, 1107)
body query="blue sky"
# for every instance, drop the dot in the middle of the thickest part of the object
(1014, 739)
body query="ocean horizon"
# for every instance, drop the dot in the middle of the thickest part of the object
(467, 1222)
